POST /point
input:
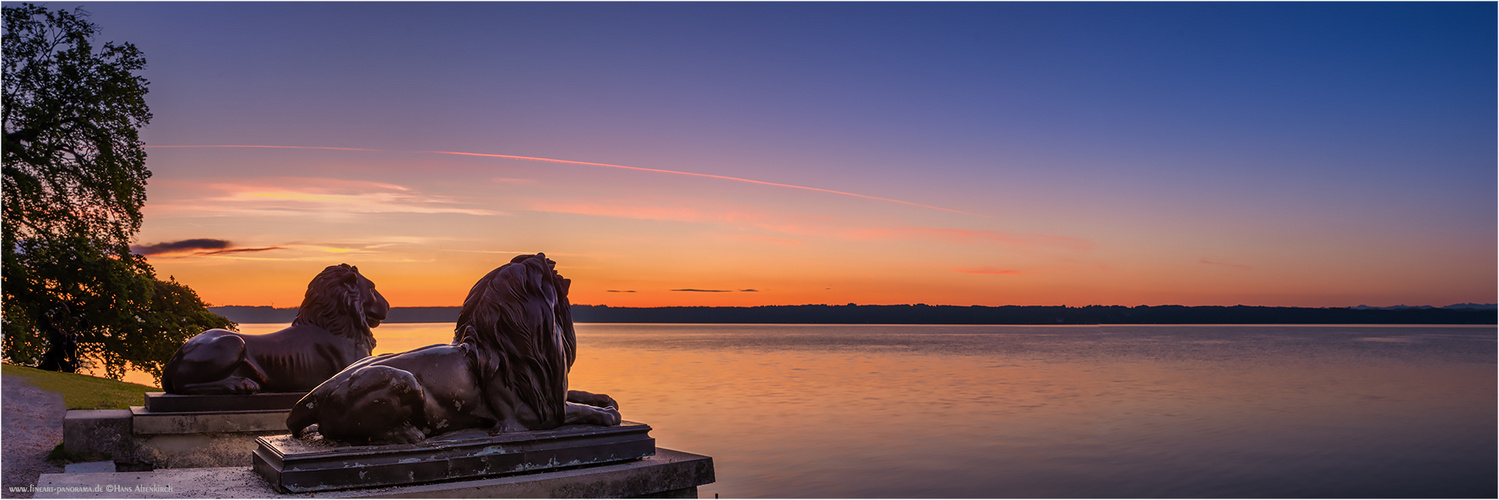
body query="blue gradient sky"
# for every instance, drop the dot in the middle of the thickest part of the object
(1326, 154)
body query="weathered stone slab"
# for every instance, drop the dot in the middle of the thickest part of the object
(157, 423)
(312, 464)
(98, 433)
(138, 438)
(90, 467)
(173, 451)
(201, 438)
(668, 473)
(161, 402)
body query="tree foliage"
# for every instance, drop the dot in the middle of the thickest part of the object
(73, 156)
(74, 183)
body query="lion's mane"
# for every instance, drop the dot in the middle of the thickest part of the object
(333, 303)
(517, 325)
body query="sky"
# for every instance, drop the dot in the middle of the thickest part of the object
(685, 154)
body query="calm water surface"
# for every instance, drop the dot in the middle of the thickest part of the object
(1007, 411)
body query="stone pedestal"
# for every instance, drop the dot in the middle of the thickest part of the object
(168, 433)
(312, 464)
(99, 434)
(667, 474)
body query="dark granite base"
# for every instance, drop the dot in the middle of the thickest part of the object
(161, 402)
(667, 474)
(312, 464)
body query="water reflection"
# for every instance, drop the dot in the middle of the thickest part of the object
(963, 411)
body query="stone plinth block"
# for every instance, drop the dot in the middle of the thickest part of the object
(161, 402)
(141, 438)
(202, 438)
(313, 464)
(98, 433)
(202, 422)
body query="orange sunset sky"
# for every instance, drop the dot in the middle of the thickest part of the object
(1277, 154)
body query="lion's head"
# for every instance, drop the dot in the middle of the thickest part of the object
(344, 302)
(518, 323)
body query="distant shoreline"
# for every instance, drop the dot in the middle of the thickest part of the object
(920, 314)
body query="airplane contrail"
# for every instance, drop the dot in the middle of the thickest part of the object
(591, 164)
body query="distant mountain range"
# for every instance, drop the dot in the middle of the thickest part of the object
(1481, 314)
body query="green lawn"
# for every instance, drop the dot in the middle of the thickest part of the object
(82, 392)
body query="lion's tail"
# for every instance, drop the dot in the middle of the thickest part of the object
(303, 414)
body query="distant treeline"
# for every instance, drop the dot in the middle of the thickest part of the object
(953, 315)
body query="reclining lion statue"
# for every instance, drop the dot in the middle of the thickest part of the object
(506, 370)
(331, 331)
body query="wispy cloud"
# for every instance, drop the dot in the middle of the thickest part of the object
(765, 239)
(643, 212)
(590, 164)
(973, 236)
(298, 196)
(366, 198)
(709, 176)
(816, 228)
(987, 270)
(1224, 264)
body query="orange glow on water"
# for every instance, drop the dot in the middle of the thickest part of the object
(956, 411)
(900, 412)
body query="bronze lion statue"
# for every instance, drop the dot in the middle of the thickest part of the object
(331, 331)
(506, 370)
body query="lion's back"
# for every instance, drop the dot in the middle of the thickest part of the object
(437, 366)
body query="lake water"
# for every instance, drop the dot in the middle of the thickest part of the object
(1071, 411)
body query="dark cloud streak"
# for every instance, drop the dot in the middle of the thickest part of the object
(712, 291)
(196, 246)
(181, 246)
(242, 250)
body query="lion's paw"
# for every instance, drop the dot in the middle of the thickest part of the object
(610, 416)
(405, 434)
(592, 399)
(242, 385)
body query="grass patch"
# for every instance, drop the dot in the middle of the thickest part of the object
(82, 392)
(61, 457)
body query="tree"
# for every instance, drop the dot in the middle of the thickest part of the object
(73, 156)
(74, 183)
